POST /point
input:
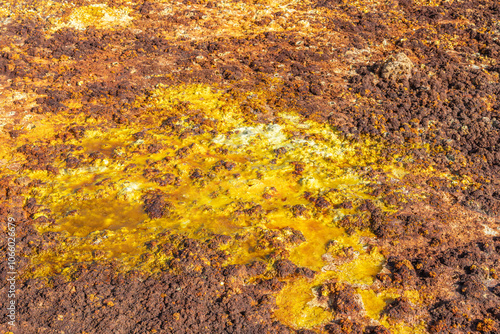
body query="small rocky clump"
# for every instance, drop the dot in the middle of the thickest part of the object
(397, 68)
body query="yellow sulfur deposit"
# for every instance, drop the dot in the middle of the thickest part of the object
(220, 171)
(99, 16)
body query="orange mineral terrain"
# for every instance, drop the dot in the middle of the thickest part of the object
(324, 166)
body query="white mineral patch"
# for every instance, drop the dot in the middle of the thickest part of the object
(271, 134)
(489, 231)
(316, 148)
(131, 186)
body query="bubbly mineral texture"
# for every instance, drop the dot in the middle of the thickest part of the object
(251, 166)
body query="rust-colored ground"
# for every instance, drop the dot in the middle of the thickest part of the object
(251, 166)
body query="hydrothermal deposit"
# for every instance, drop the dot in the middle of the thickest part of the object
(251, 166)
